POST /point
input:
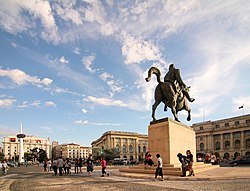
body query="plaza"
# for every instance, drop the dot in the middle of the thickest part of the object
(32, 178)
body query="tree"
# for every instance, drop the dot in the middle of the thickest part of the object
(108, 154)
(1, 156)
(42, 155)
(28, 156)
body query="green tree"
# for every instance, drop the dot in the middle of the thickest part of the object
(42, 155)
(96, 153)
(1, 156)
(28, 156)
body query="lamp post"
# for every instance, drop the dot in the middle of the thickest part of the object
(21, 136)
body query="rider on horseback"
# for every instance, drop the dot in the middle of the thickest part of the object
(173, 76)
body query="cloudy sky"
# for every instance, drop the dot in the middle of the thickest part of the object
(72, 70)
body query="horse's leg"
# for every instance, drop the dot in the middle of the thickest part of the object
(174, 111)
(154, 106)
(189, 113)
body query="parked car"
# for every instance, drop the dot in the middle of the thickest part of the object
(11, 164)
(120, 161)
(241, 161)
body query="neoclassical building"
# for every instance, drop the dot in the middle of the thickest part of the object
(11, 145)
(70, 150)
(130, 145)
(229, 137)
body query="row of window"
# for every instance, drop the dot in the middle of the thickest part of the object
(227, 124)
(227, 135)
(124, 148)
(227, 145)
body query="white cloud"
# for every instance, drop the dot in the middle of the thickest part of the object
(114, 85)
(36, 104)
(77, 50)
(138, 50)
(87, 61)
(14, 20)
(63, 60)
(85, 122)
(21, 78)
(7, 103)
(84, 110)
(24, 105)
(62, 90)
(105, 101)
(50, 104)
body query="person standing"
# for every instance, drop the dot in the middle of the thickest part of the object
(80, 164)
(67, 166)
(49, 165)
(45, 166)
(90, 165)
(158, 171)
(190, 160)
(54, 166)
(60, 165)
(5, 167)
(76, 165)
(104, 165)
(184, 164)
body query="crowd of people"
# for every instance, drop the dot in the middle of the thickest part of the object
(61, 166)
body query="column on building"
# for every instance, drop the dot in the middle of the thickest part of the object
(127, 154)
(211, 141)
(221, 142)
(136, 149)
(121, 151)
(242, 140)
(231, 141)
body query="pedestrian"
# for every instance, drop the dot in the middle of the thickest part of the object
(76, 165)
(158, 171)
(67, 166)
(49, 165)
(184, 164)
(1, 168)
(45, 166)
(54, 166)
(80, 164)
(60, 165)
(104, 165)
(190, 160)
(90, 165)
(5, 167)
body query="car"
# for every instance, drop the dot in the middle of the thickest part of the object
(11, 164)
(242, 161)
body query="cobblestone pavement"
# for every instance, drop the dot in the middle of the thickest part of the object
(34, 179)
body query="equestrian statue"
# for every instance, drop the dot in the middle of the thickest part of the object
(172, 92)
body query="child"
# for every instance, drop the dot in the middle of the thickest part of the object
(104, 165)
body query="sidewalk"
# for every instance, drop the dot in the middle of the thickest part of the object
(221, 173)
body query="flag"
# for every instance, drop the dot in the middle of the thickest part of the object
(241, 107)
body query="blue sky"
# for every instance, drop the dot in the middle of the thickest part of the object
(72, 70)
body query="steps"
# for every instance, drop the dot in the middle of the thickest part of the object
(168, 169)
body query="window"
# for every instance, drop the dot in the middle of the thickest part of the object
(201, 128)
(139, 149)
(248, 143)
(247, 133)
(124, 149)
(201, 146)
(236, 135)
(201, 138)
(144, 149)
(227, 145)
(117, 147)
(237, 144)
(217, 145)
(217, 137)
(217, 126)
(236, 122)
(226, 124)
(248, 121)
(130, 148)
(226, 136)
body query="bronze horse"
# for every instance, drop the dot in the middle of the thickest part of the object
(166, 92)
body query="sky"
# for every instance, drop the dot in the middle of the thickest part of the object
(72, 70)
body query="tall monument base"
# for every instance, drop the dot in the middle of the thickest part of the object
(168, 138)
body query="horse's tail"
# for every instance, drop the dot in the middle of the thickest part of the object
(156, 71)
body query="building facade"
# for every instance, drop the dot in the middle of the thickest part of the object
(228, 137)
(71, 151)
(11, 145)
(130, 145)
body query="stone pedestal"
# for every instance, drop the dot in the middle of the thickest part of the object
(168, 138)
